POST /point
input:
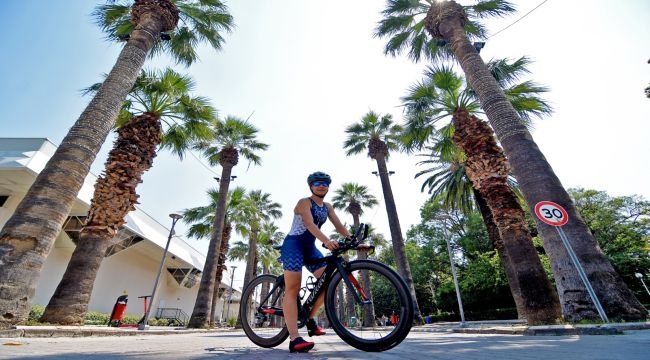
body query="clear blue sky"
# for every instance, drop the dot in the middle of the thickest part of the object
(306, 70)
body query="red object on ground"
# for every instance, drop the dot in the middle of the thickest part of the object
(393, 319)
(118, 311)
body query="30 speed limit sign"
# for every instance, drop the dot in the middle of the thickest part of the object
(551, 213)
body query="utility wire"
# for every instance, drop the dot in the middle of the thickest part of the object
(516, 21)
(202, 164)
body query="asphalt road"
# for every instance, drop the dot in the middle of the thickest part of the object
(631, 345)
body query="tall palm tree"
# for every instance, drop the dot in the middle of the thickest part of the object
(202, 219)
(265, 211)
(28, 235)
(352, 198)
(232, 137)
(268, 256)
(379, 135)
(159, 109)
(445, 29)
(448, 182)
(441, 96)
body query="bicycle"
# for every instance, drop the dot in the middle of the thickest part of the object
(375, 289)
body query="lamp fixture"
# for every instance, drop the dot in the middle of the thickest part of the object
(389, 173)
(233, 177)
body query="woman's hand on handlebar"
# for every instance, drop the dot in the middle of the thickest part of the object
(331, 244)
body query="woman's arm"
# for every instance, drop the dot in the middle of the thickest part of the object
(303, 208)
(340, 228)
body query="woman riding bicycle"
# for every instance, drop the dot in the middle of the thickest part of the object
(309, 215)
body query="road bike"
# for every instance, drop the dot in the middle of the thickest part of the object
(357, 294)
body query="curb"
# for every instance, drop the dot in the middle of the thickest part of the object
(541, 330)
(81, 331)
(508, 328)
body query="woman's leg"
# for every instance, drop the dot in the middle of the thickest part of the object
(292, 281)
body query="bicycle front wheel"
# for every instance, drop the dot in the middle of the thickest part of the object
(357, 308)
(261, 311)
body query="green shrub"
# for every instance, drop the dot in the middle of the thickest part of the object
(35, 313)
(131, 319)
(232, 321)
(96, 318)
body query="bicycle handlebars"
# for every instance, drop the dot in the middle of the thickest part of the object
(353, 241)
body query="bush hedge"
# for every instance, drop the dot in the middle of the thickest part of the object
(97, 318)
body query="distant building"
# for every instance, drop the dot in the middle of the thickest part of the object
(133, 259)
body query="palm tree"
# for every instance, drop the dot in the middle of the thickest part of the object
(353, 198)
(28, 235)
(232, 137)
(380, 135)
(446, 29)
(157, 97)
(441, 96)
(268, 256)
(265, 210)
(202, 219)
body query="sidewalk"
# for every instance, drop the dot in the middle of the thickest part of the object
(519, 327)
(504, 327)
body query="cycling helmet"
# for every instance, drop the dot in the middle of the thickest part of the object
(319, 176)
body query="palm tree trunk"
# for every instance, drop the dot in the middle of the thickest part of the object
(368, 310)
(218, 293)
(200, 313)
(497, 243)
(538, 182)
(488, 170)
(399, 249)
(69, 303)
(251, 262)
(28, 235)
(251, 265)
(114, 197)
(349, 297)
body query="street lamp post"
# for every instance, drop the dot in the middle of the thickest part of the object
(232, 278)
(143, 325)
(640, 277)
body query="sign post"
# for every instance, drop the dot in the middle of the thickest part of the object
(553, 214)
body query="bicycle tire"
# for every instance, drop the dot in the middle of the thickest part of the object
(264, 329)
(388, 292)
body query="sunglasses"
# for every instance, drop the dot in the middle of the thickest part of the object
(320, 183)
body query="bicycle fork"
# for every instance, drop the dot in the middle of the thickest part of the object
(354, 286)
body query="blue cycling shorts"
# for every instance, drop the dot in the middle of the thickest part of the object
(298, 248)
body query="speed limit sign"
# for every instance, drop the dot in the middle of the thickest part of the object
(551, 213)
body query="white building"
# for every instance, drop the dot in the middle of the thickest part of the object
(133, 259)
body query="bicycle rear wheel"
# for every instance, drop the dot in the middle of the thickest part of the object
(261, 311)
(377, 291)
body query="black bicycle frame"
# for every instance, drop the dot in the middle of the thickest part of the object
(334, 262)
